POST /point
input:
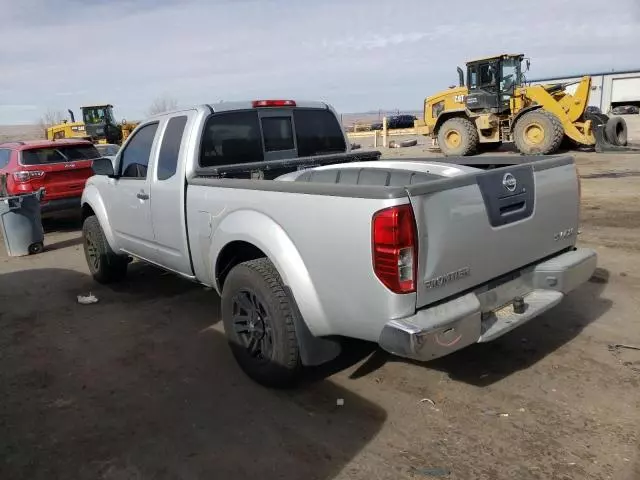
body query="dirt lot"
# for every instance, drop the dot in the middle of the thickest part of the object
(142, 384)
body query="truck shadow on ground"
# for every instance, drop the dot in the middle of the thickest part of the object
(487, 363)
(142, 385)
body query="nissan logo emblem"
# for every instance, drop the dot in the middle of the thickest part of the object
(509, 182)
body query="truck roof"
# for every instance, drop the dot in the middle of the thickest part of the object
(245, 105)
(248, 105)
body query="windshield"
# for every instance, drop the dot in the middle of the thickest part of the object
(62, 154)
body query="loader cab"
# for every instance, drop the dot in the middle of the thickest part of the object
(100, 124)
(491, 83)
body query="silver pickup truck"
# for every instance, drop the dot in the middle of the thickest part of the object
(307, 242)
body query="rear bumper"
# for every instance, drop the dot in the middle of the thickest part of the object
(60, 204)
(487, 313)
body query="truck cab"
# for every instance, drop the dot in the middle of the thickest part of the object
(100, 124)
(491, 83)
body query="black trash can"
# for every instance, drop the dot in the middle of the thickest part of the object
(21, 224)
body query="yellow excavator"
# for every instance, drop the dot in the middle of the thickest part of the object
(98, 125)
(496, 105)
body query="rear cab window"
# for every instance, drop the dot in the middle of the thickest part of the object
(59, 154)
(246, 136)
(230, 138)
(318, 132)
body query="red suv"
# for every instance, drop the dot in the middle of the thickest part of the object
(60, 166)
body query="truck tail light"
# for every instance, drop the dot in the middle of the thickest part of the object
(26, 175)
(395, 248)
(273, 103)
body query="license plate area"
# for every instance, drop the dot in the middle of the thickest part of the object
(499, 295)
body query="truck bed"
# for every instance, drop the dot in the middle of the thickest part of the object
(470, 229)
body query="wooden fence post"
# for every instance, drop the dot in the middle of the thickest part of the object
(384, 131)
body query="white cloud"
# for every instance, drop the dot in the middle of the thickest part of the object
(359, 54)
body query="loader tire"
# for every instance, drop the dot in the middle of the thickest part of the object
(538, 133)
(458, 137)
(616, 131)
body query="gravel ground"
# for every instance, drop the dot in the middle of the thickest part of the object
(142, 385)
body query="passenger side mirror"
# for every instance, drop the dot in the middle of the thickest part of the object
(103, 166)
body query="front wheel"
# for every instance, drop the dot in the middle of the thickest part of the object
(258, 318)
(458, 136)
(104, 265)
(538, 133)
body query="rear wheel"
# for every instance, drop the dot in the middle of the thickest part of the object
(258, 318)
(458, 137)
(538, 133)
(616, 131)
(104, 265)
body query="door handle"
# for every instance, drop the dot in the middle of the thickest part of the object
(142, 196)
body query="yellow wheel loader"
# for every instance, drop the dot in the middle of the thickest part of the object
(495, 105)
(98, 125)
(66, 129)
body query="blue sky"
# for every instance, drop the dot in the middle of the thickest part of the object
(357, 54)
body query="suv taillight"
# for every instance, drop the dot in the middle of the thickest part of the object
(26, 175)
(395, 248)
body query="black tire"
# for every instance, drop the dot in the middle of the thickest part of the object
(409, 143)
(258, 318)
(527, 133)
(458, 137)
(104, 265)
(36, 248)
(616, 131)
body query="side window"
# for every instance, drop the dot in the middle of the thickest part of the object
(487, 74)
(134, 159)
(277, 133)
(170, 148)
(5, 155)
(229, 138)
(473, 77)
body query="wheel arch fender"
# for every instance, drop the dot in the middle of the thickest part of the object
(444, 116)
(264, 233)
(92, 202)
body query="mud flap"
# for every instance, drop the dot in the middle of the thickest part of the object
(313, 350)
(603, 145)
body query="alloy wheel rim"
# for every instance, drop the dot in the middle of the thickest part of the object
(252, 325)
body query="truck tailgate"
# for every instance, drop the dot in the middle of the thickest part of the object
(478, 227)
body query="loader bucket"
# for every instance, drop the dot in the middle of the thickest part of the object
(599, 123)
